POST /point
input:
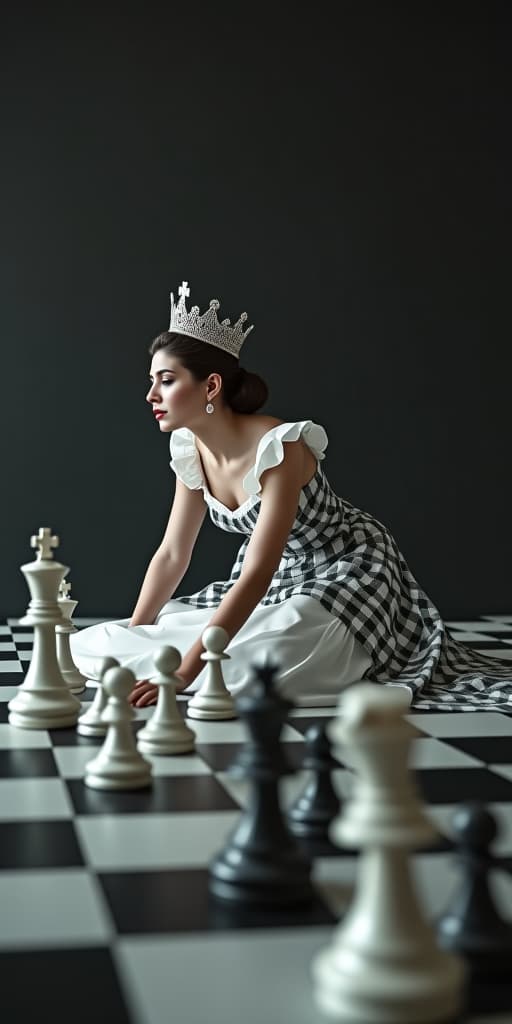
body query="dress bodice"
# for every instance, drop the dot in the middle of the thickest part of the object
(186, 462)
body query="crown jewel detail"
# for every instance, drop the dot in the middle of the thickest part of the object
(206, 327)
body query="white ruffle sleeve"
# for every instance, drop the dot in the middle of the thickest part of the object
(270, 450)
(186, 463)
(185, 458)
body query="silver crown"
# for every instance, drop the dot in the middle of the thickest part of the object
(206, 327)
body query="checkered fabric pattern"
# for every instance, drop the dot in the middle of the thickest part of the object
(349, 561)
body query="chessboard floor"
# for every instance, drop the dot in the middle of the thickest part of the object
(104, 905)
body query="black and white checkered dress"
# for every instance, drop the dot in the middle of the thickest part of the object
(348, 561)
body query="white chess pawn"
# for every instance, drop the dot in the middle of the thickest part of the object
(213, 700)
(75, 680)
(384, 965)
(44, 700)
(91, 723)
(166, 732)
(118, 765)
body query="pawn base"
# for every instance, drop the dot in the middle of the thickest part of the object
(279, 877)
(211, 708)
(141, 781)
(91, 728)
(278, 895)
(118, 772)
(309, 828)
(44, 709)
(74, 680)
(351, 988)
(148, 744)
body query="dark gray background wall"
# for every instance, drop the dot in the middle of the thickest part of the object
(348, 186)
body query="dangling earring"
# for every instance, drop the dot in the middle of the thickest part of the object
(210, 407)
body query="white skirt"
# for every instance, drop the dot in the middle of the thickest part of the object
(318, 656)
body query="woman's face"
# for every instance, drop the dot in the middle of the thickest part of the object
(175, 396)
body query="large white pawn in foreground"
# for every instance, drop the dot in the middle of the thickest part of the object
(118, 764)
(92, 723)
(75, 680)
(166, 732)
(44, 700)
(213, 700)
(384, 966)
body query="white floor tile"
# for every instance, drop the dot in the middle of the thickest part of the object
(7, 693)
(504, 770)
(46, 908)
(12, 738)
(71, 762)
(273, 965)
(474, 625)
(458, 723)
(44, 800)
(7, 645)
(11, 666)
(471, 636)
(433, 753)
(138, 841)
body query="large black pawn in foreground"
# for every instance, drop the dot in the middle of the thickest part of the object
(313, 811)
(262, 862)
(472, 924)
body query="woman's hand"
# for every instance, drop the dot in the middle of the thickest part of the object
(145, 693)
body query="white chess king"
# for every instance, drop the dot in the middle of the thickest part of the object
(44, 700)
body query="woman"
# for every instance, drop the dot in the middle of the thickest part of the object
(318, 585)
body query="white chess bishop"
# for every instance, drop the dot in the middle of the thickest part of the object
(44, 700)
(384, 966)
(75, 680)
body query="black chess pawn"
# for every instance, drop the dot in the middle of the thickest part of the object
(472, 924)
(311, 814)
(262, 861)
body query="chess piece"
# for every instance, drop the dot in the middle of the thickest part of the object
(384, 966)
(311, 814)
(44, 700)
(262, 862)
(118, 765)
(213, 700)
(75, 680)
(166, 732)
(92, 723)
(472, 924)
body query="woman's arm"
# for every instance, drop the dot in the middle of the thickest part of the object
(162, 577)
(172, 558)
(281, 487)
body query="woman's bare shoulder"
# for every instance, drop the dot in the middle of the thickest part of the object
(261, 424)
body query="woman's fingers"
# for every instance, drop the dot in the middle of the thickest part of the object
(141, 687)
(149, 697)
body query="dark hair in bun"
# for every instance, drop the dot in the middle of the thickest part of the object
(243, 391)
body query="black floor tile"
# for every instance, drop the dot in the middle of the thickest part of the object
(27, 763)
(456, 785)
(39, 844)
(166, 794)
(62, 985)
(179, 901)
(491, 749)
